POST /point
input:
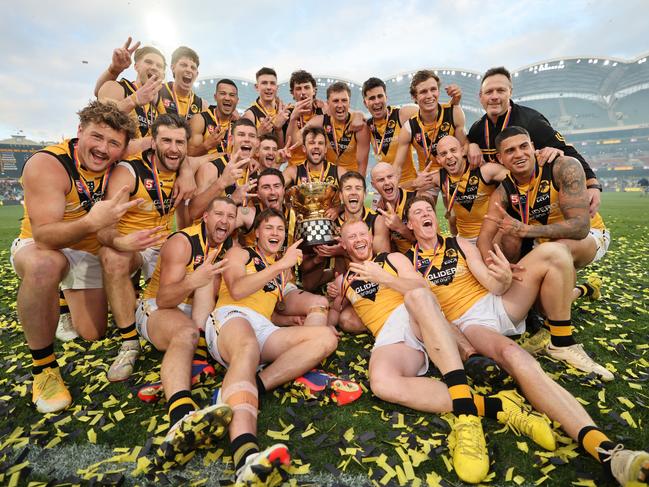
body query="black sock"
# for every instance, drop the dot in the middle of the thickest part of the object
(42, 359)
(179, 405)
(63, 304)
(460, 393)
(261, 388)
(561, 333)
(201, 352)
(593, 440)
(129, 333)
(242, 447)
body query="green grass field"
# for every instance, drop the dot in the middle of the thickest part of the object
(108, 435)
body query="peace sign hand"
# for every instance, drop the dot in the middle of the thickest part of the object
(287, 151)
(506, 224)
(122, 57)
(108, 212)
(392, 220)
(149, 91)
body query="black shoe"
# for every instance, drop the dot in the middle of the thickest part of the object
(483, 371)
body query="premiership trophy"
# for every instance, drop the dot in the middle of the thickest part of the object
(310, 202)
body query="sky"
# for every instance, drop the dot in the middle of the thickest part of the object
(52, 54)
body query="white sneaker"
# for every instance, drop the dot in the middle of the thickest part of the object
(576, 356)
(266, 468)
(65, 332)
(122, 367)
(629, 467)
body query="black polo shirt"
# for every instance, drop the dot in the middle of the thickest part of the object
(541, 132)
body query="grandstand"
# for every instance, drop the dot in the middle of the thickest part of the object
(600, 104)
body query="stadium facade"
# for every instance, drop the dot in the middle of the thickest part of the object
(600, 104)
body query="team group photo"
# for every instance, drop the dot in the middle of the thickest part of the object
(297, 279)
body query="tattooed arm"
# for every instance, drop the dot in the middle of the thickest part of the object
(573, 202)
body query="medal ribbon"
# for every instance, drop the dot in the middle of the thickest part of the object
(378, 147)
(335, 137)
(279, 280)
(174, 96)
(428, 148)
(486, 126)
(158, 186)
(525, 214)
(415, 258)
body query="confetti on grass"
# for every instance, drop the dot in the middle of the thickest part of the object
(369, 441)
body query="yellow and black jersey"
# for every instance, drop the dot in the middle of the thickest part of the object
(211, 123)
(86, 188)
(543, 194)
(247, 237)
(385, 141)
(200, 248)
(399, 242)
(259, 112)
(298, 155)
(448, 275)
(369, 217)
(328, 174)
(341, 147)
(155, 188)
(537, 202)
(372, 302)
(143, 115)
(262, 301)
(184, 106)
(468, 197)
(424, 137)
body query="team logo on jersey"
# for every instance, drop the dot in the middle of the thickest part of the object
(473, 180)
(194, 108)
(418, 138)
(450, 253)
(392, 124)
(514, 199)
(328, 128)
(211, 129)
(166, 103)
(544, 187)
(256, 261)
(148, 184)
(198, 260)
(445, 127)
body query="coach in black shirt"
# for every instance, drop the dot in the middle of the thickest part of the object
(495, 97)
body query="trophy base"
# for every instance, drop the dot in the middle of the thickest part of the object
(316, 231)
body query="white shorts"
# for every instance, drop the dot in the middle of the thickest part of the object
(602, 240)
(149, 260)
(84, 269)
(145, 308)
(220, 317)
(490, 312)
(397, 329)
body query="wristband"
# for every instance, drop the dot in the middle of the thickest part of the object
(595, 186)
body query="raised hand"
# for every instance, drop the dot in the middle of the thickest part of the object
(455, 92)
(148, 92)
(122, 57)
(286, 152)
(207, 271)
(108, 212)
(547, 154)
(265, 126)
(392, 220)
(368, 271)
(234, 170)
(292, 256)
(506, 224)
(213, 139)
(499, 267)
(302, 108)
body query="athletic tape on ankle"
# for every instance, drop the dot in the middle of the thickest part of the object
(242, 396)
